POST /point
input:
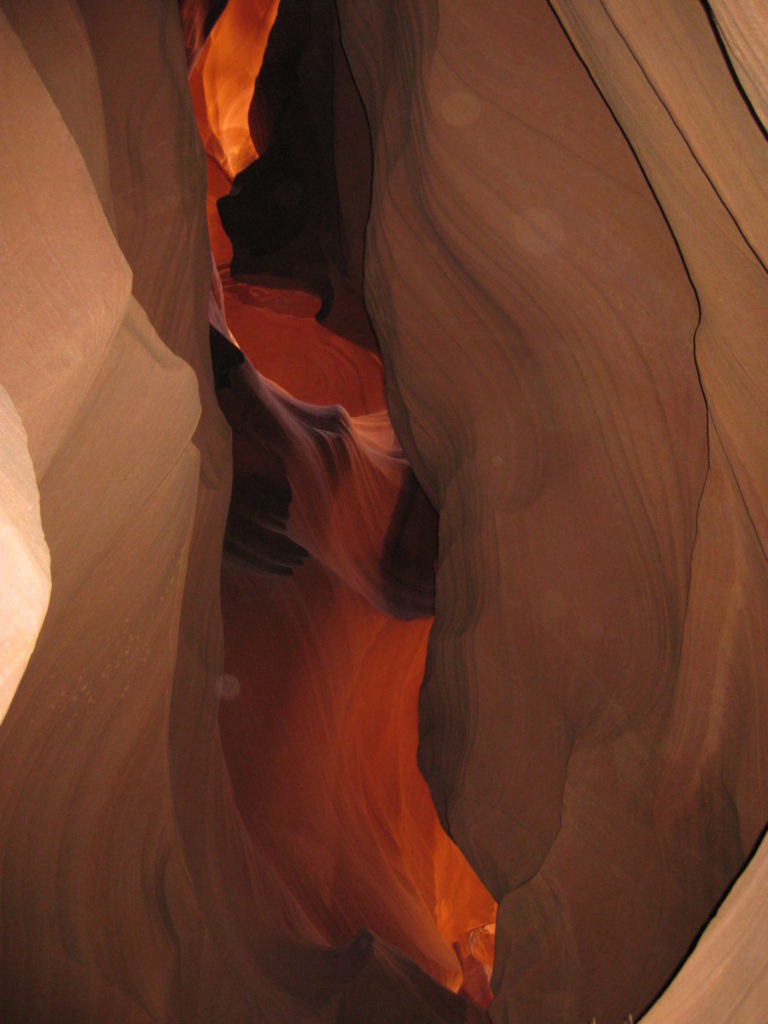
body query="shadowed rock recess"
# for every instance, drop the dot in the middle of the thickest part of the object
(445, 709)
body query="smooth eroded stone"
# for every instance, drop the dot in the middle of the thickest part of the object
(26, 580)
(574, 367)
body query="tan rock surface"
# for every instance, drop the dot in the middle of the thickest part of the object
(25, 586)
(131, 890)
(725, 980)
(573, 333)
(85, 796)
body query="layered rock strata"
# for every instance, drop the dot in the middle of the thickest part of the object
(132, 887)
(563, 266)
(566, 268)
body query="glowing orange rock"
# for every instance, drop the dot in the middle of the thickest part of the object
(223, 77)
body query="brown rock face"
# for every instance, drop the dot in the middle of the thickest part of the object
(133, 888)
(86, 797)
(222, 821)
(573, 363)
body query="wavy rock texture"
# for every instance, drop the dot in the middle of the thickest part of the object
(132, 889)
(319, 729)
(328, 543)
(86, 804)
(575, 367)
(115, 790)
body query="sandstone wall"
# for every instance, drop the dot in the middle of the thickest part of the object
(564, 268)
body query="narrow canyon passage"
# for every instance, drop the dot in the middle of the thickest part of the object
(279, 742)
(325, 640)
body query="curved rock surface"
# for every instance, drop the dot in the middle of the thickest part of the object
(565, 263)
(26, 584)
(725, 980)
(132, 889)
(84, 366)
(575, 367)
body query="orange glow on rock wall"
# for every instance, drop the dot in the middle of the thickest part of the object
(565, 266)
(319, 716)
(222, 80)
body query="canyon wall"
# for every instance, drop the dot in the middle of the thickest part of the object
(86, 814)
(565, 268)
(132, 889)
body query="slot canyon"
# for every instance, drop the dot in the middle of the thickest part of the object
(383, 512)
